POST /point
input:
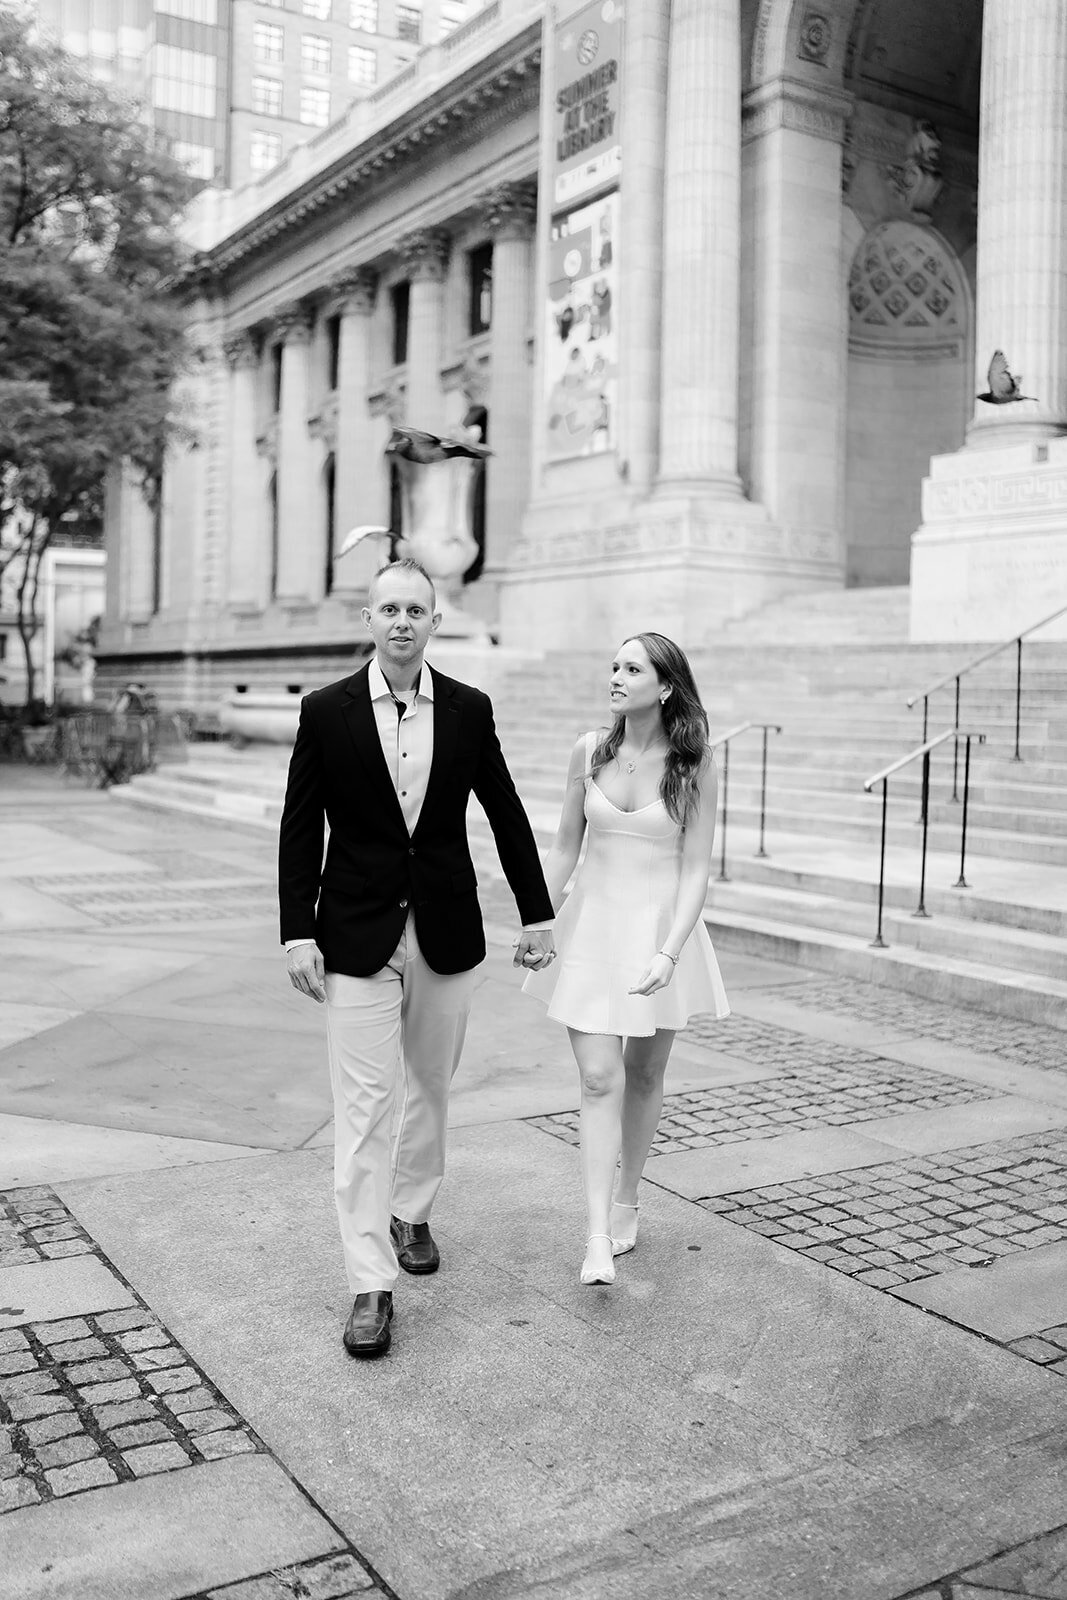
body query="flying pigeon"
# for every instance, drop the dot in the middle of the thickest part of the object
(411, 444)
(1003, 388)
(367, 530)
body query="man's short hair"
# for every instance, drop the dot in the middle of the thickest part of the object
(405, 564)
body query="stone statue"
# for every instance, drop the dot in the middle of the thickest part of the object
(918, 182)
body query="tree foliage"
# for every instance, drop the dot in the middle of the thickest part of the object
(91, 336)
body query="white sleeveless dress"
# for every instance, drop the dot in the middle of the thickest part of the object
(615, 919)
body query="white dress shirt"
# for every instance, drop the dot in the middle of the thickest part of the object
(407, 745)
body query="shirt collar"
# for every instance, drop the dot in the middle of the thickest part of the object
(380, 690)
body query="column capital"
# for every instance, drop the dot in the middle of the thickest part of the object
(509, 210)
(425, 253)
(241, 350)
(355, 290)
(292, 323)
(799, 107)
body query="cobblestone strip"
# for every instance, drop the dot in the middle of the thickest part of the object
(36, 1226)
(818, 1096)
(894, 1223)
(1027, 1044)
(110, 900)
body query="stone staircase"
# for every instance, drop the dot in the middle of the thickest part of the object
(835, 672)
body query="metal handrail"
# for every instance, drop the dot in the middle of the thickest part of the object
(924, 750)
(724, 740)
(978, 661)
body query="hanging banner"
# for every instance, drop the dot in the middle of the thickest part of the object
(586, 125)
(581, 335)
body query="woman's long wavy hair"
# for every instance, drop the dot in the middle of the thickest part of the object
(685, 722)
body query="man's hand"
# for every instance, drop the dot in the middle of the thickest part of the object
(307, 971)
(535, 951)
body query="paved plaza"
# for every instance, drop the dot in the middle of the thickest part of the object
(833, 1369)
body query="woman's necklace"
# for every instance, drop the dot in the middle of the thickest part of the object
(630, 766)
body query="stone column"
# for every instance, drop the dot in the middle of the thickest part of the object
(701, 236)
(426, 258)
(356, 489)
(510, 213)
(296, 501)
(1022, 215)
(640, 268)
(248, 559)
(795, 370)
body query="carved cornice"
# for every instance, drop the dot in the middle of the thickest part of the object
(509, 210)
(389, 401)
(324, 424)
(354, 290)
(425, 254)
(494, 90)
(798, 107)
(241, 350)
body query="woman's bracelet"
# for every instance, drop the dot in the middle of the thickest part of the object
(672, 959)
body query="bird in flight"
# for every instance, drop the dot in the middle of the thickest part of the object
(1003, 388)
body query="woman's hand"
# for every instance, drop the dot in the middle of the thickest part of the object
(657, 975)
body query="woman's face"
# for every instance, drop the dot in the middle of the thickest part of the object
(634, 686)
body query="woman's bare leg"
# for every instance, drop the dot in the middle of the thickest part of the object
(600, 1067)
(644, 1066)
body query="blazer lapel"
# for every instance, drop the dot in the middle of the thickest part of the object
(446, 718)
(366, 742)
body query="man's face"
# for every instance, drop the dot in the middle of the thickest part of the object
(400, 617)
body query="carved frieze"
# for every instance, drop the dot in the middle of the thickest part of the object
(814, 39)
(509, 210)
(425, 254)
(355, 289)
(292, 324)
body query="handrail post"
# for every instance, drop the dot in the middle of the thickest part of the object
(878, 943)
(920, 909)
(961, 882)
(1018, 692)
(956, 748)
(763, 794)
(926, 712)
(723, 878)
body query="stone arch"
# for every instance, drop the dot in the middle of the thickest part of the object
(800, 39)
(910, 329)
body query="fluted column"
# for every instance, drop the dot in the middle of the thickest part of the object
(295, 497)
(510, 212)
(426, 259)
(640, 260)
(248, 562)
(701, 234)
(1022, 214)
(357, 490)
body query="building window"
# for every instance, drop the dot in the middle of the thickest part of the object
(453, 12)
(333, 351)
(400, 296)
(363, 14)
(268, 40)
(184, 80)
(197, 159)
(264, 151)
(329, 486)
(267, 97)
(319, 9)
(362, 65)
(315, 53)
(277, 4)
(481, 287)
(315, 107)
(276, 378)
(275, 541)
(194, 10)
(409, 24)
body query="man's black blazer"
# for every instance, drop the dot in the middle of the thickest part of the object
(356, 903)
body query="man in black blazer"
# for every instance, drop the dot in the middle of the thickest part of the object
(388, 930)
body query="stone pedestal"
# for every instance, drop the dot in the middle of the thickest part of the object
(991, 554)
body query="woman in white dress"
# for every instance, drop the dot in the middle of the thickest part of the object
(635, 960)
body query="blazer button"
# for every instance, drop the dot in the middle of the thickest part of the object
(411, 850)
(403, 905)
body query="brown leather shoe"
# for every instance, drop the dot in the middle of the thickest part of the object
(414, 1246)
(367, 1330)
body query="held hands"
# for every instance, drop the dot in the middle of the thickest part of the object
(657, 975)
(307, 972)
(534, 951)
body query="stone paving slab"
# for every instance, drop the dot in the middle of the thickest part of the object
(999, 1117)
(1018, 1295)
(717, 1170)
(37, 1150)
(132, 1541)
(78, 972)
(43, 1291)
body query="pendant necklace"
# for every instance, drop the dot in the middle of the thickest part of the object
(631, 767)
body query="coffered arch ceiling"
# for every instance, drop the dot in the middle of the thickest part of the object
(918, 56)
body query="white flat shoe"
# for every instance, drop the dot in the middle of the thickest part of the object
(598, 1266)
(623, 1228)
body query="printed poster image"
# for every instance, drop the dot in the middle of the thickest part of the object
(581, 334)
